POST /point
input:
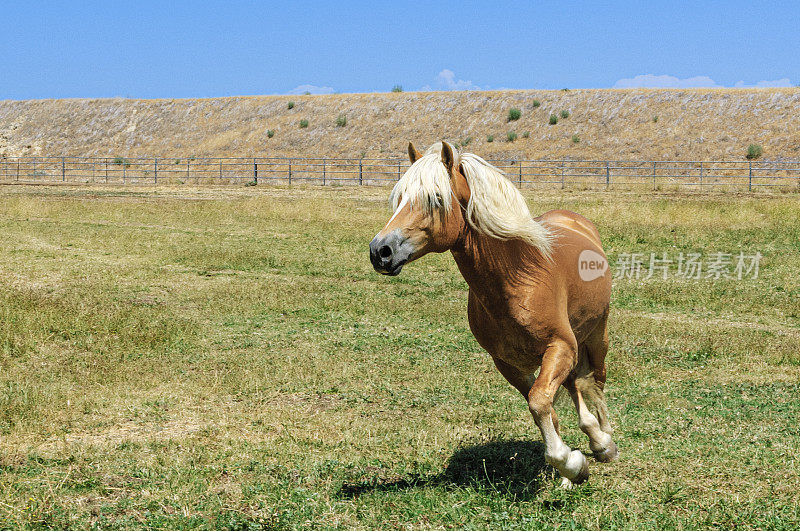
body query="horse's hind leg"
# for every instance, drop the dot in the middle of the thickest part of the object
(587, 386)
(592, 380)
(600, 442)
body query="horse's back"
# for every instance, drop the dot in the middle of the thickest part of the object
(573, 222)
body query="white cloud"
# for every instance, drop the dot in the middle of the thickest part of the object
(311, 89)
(653, 81)
(783, 82)
(446, 80)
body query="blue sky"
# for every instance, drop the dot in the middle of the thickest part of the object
(179, 49)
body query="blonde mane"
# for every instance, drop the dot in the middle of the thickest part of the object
(496, 207)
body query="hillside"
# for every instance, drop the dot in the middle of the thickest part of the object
(609, 124)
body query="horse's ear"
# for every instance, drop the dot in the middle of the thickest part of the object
(413, 154)
(447, 157)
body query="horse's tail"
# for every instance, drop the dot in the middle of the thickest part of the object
(591, 388)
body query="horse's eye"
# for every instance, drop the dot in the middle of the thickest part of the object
(439, 199)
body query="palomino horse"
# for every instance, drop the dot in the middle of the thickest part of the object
(539, 288)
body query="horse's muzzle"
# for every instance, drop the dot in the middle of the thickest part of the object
(390, 253)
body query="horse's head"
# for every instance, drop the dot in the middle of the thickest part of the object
(428, 213)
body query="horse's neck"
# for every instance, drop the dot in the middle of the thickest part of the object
(496, 268)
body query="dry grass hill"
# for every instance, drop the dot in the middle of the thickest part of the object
(602, 124)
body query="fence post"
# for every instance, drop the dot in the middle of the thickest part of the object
(701, 173)
(323, 172)
(399, 175)
(290, 172)
(220, 170)
(63, 171)
(360, 172)
(17, 178)
(608, 174)
(188, 162)
(255, 171)
(519, 171)
(654, 175)
(750, 177)
(563, 166)
(124, 169)
(155, 170)
(106, 171)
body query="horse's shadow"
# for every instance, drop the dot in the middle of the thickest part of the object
(510, 468)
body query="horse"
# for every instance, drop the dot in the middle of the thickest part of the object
(539, 288)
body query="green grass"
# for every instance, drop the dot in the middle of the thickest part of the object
(754, 151)
(226, 357)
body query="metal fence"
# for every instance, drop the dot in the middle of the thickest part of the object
(588, 174)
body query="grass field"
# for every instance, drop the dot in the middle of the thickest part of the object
(180, 357)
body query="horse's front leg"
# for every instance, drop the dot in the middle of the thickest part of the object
(559, 359)
(521, 382)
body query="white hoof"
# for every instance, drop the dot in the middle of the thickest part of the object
(577, 468)
(567, 484)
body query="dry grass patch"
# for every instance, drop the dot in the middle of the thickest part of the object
(693, 124)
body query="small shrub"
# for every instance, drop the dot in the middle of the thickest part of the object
(655, 118)
(303, 124)
(526, 134)
(754, 151)
(397, 88)
(270, 133)
(575, 139)
(536, 103)
(565, 114)
(511, 136)
(177, 161)
(290, 105)
(466, 141)
(251, 183)
(513, 114)
(553, 119)
(121, 161)
(306, 93)
(490, 138)
(341, 120)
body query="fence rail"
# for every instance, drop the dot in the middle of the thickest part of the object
(328, 171)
